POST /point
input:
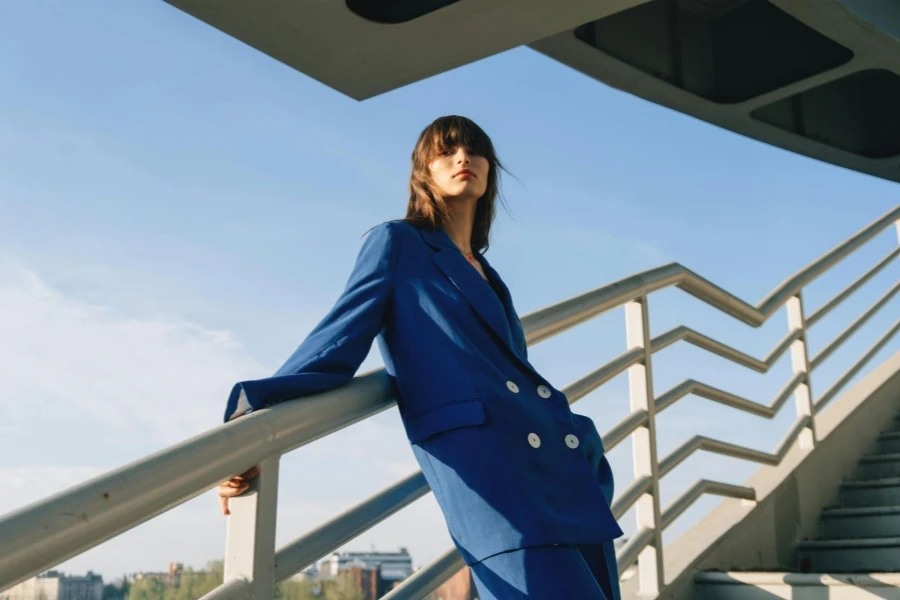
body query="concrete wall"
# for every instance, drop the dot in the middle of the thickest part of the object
(741, 536)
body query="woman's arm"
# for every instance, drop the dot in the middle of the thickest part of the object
(334, 349)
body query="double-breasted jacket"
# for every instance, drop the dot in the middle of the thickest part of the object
(510, 464)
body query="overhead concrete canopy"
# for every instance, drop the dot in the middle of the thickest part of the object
(818, 77)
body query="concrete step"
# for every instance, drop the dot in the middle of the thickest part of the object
(797, 586)
(874, 492)
(854, 523)
(878, 466)
(851, 556)
(894, 425)
(888, 443)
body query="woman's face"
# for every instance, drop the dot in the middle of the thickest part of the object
(446, 173)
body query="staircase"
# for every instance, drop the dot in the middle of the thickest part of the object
(857, 553)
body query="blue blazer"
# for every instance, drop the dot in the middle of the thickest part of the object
(509, 463)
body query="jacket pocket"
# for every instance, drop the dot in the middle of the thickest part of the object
(453, 415)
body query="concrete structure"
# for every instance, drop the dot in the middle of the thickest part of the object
(818, 77)
(55, 585)
(808, 535)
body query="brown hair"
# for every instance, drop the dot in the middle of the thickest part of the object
(426, 208)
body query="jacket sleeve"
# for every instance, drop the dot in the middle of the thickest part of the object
(332, 352)
(592, 447)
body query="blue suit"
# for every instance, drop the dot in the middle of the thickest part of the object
(510, 464)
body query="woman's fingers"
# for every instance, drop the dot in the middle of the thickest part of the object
(231, 491)
(235, 486)
(244, 477)
(228, 491)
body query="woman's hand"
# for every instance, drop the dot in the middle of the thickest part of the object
(235, 486)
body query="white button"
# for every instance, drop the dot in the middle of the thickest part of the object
(512, 387)
(544, 391)
(534, 440)
(571, 441)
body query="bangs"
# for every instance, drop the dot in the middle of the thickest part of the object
(446, 135)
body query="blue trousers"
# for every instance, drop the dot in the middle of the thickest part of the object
(549, 573)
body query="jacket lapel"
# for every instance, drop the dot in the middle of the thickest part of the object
(473, 287)
(515, 326)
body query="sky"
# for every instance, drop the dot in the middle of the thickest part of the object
(178, 210)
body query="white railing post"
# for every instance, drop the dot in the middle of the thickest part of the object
(640, 383)
(800, 364)
(250, 538)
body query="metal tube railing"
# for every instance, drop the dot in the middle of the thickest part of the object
(854, 369)
(626, 499)
(843, 294)
(704, 486)
(709, 392)
(298, 554)
(825, 352)
(700, 442)
(624, 428)
(126, 497)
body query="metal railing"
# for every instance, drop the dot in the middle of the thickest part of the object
(50, 531)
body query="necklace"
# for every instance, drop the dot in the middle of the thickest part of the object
(474, 262)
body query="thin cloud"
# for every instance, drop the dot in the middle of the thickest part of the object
(66, 359)
(24, 485)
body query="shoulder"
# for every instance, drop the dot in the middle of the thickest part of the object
(387, 240)
(394, 233)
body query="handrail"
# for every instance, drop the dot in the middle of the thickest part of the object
(854, 369)
(689, 386)
(298, 554)
(700, 442)
(851, 329)
(704, 486)
(123, 498)
(843, 294)
(710, 345)
(556, 318)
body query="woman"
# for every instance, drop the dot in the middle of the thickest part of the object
(522, 481)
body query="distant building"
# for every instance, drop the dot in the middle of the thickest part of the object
(369, 583)
(171, 577)
(459, 587)
(55, 585)
(310, 573)
(394, 566)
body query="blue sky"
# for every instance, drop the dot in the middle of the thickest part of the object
(178, 210)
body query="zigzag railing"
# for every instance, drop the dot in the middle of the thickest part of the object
(50, 531)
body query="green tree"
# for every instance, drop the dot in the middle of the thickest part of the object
(342, 588)
(190, 585)
(194, 584)
(111, 592)
(294, 589)
(146, 589)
